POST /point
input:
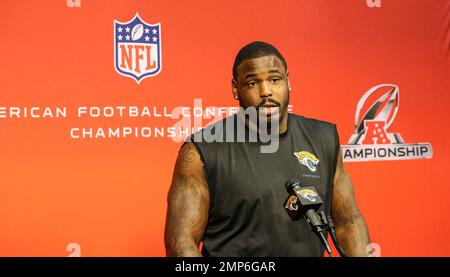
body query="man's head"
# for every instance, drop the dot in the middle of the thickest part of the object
(260, 79)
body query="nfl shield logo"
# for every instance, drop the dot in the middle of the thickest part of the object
(137, 48)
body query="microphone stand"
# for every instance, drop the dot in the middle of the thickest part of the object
(315, 223)
(328, 225)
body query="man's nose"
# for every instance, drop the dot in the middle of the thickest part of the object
(265, 90)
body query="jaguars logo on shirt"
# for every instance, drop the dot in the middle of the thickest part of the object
(307, 159)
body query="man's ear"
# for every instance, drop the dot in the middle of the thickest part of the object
(234, 89)
(289, 83)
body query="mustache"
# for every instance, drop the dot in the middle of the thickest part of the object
(268, 100)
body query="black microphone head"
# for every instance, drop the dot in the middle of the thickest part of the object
(291, 183)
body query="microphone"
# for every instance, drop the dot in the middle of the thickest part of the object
(301, 200)
(304, 202)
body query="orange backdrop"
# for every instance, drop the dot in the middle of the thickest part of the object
(61, 196)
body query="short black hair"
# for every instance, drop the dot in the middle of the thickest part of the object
(253, 50)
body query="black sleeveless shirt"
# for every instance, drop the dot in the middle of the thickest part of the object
(247, 190)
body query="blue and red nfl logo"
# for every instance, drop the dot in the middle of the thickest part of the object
(137, 48)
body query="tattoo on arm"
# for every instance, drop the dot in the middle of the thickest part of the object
(188, 205)
(351, 228)
(188, 154)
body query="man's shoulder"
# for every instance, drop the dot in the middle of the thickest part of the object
(322, 132)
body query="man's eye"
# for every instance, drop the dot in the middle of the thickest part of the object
(275, 80)
(251, 84)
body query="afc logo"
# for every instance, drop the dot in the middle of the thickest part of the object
(375, 132)
(137, 48)
(371, 140)
(371, 124)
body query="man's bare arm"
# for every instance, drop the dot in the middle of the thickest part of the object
(351, 229)
(188, 205)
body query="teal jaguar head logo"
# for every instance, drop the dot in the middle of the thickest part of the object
(307, 159)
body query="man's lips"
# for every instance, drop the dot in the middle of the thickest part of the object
(269, 105)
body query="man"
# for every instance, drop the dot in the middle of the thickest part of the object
(229, 196)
